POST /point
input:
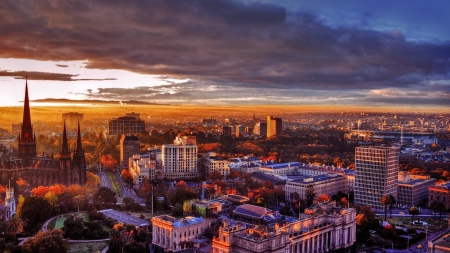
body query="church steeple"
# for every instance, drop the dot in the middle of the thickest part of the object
(79, 149)
(27, 140)
(65, 145)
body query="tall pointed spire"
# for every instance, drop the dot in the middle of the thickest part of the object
(26, 122)
(65, 146)
(79, 148)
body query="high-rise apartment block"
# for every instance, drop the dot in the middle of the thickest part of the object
(72, 118)
(126, 125)
(376, 175)
(179, 160)
(260, 129)
(129, 146)
(274, 126)
(226, 130)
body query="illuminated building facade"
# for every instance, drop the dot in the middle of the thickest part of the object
(179, 160)
(329, 184)
(413, 191)
(211, 163)
(439, 194)
(174, 235)
(274, 126)
(129, 146)
(324, 228)
(376, 175)
(260, 129)
(143, 166)
(126, 125)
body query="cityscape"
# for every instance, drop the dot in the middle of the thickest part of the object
(224, 126)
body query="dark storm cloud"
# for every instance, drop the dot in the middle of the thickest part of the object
(34, 75)
(254, 45)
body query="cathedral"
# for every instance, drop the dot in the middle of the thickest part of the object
(42, 170)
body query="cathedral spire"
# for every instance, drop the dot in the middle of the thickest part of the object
(79, 148)
(65, 146)
(27, 130)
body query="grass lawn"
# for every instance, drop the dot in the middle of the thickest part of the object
(87, 247)
(116, 187)
(58, 222)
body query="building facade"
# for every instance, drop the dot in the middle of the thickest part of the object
(274, 126)
(376, 175)
(211, 163)
(129, 146)
(43, 170)
(439, 194)
(325, 228)
(174, 235)
(413, 191)
(143, 166)
(260, 129)
(179, 160)
(329, 184)
(126, 125)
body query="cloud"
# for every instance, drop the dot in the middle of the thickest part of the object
(34, 75)
(91, 101)
(230, 44)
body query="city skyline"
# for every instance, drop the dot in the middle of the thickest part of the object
(228, 52)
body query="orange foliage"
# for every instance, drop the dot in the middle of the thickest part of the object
(2, 189)
(40, 191)
(181, 184)
(108, 161)
(58, 189)
(75, 189)
(324, 198)
(209, 147)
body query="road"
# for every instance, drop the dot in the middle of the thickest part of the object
(127, 191)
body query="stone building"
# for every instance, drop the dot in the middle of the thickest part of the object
(323, 228)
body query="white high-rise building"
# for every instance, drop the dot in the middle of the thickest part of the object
(376, 175)
(179, 160)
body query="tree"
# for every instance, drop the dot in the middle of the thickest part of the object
(92, 179)
(388, 232)
(73, 227)
(47, 242)
(105, 196)
(40, 191)
(15, 225)
(310, 195)
(51, 198)
(324, 198)
(133, 247)
(19, 206)
(22, 185)
(177, 210)
(392, 202)
(127, 177)
(127, 201)
(108, 162)
(35, 211)
(413, 211)
(385, 201)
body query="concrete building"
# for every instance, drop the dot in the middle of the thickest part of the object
(72, 118)
(329, 184)
(376, 175)
(211, 163)
(174, 235)
(439, 194)
(260, 129)
(129, 146)
(324, 228)
(274, 126)
(279, 168)
(126, 125)
(413, 191)
(240, 130)
(145, 165)
(179, 160)
(226, 130)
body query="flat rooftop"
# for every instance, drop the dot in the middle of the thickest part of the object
(125, 218)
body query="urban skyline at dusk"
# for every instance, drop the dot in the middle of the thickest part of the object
(228, 52)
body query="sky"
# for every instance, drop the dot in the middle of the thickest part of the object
(224, 52)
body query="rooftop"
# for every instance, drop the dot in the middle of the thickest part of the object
(253, 211)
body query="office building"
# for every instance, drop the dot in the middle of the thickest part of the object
(260, 129)
(226, 130)
(274, 126)
(174, 235)
(126, 125)
(329, 184)
(179, 160)
(145, 165)
(211, 163)
(129, 146)
(439, 194)
(412, 190)
(72, 118)
(324, 227)
(376, 175)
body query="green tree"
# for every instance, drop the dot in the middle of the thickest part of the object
(35, 211)
(134, 247)
(73, 227)
(105, 196)
(46, 242)
(127, 201)
(310, 195)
